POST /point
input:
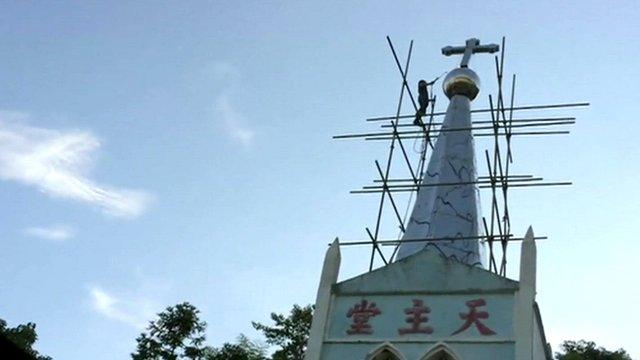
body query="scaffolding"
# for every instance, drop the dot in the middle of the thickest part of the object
(498, 179)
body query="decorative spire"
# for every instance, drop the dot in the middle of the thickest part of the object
(448, 211)
(447, 205)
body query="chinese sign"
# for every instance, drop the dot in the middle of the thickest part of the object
(423, 316)
(473, 318)
(360, 313)
(415, 318)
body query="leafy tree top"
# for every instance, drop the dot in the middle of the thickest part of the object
(290, 333)
(245, 349)
(24, 336)
(587, 350)
(177, 333)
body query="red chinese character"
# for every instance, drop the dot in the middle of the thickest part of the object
(361, 313)
(473, 317)
(416, 318)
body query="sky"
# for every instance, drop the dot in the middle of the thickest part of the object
(159, 152)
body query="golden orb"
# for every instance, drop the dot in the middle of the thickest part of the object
(461, 81)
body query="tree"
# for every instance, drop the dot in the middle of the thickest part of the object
(24, 336)
(178, 333)
(587, 350)
(290, 333)
(245, 349)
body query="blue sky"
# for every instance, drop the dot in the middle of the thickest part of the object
(157, 152)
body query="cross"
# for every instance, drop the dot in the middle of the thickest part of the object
(471, 47)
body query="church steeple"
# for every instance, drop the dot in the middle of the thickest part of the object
(447, 205)
(425, 306)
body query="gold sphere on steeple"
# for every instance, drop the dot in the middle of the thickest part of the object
(461, 81)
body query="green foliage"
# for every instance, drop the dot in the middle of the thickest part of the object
(290, 333)
(24, 336)
(178, 333)
(587, 350)
(245, 349)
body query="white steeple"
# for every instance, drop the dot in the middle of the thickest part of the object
(449, 214)
(448, 211)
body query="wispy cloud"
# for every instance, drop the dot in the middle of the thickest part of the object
(57, 162)
(134, 312)
(232, 121)
(57, 233)
(226, 114)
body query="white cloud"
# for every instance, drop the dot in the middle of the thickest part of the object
(56, 162)
(134, 312)
(229, 119)
(232, 121)
(55, 232)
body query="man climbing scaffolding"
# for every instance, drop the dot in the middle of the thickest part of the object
(423, 100)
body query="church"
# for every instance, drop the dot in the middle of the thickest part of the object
(436, 299)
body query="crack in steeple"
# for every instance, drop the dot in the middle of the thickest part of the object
(448, 211)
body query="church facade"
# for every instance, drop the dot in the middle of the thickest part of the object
(436, 301)
(428, 307)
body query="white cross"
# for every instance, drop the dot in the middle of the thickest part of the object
(472, 46)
